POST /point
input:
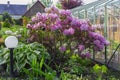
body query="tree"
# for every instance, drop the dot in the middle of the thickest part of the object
(47, 3)
(7, 16)
(69, 4)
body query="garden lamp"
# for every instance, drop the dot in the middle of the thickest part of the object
(11, 43)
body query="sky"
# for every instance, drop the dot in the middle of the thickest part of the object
(29, 1)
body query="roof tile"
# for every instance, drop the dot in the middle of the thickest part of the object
(13, 9)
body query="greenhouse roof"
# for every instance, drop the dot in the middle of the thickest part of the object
(93, 4)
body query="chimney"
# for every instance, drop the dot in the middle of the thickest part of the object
(8, 3)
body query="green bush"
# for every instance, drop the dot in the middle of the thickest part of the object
(6, 23)
(7, 16)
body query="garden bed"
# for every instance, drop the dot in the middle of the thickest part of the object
(110, 75)
(58, 47)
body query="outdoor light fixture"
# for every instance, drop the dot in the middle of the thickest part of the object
(11, 43)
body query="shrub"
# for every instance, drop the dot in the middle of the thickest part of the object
(7, 16)
(63, 35)
(6, 23)
(58, 29)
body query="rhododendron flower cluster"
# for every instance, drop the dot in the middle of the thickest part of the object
(63, 28)
(69, 31)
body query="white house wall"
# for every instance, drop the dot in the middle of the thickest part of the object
(16, 16)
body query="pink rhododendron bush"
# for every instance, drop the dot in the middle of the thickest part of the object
(60, 32)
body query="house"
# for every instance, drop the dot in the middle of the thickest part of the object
(16, 11)
(36, 7)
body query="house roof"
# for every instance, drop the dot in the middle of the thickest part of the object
(36, 7)
(13, 9)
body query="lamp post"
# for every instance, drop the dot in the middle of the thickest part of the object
(11, 43)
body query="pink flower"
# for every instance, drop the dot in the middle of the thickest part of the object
(94, 35)
(28, 26)
(62, 48)
(34, 19)
(66, 32)
(65, 12)
(69, 31)
(36, 26)
(81, 47)
(107, 43)
(88, 55)
(96, 42)
(38, 15)
(75, 22)
(84, 27)
(56, 27)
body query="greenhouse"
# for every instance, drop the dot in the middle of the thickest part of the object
(104, 14)
(60, 40)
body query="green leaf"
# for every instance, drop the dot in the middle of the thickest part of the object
(47, 67)
(22, 65)
(41, 63)
(20, 55)
(27, 71)
(6, 56)
(39, 71)
(104, 69)
(2, 61)
(68, 51)
(96, 68)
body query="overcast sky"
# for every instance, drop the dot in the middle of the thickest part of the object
(29, 1)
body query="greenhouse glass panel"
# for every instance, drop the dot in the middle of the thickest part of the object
(105, 15)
